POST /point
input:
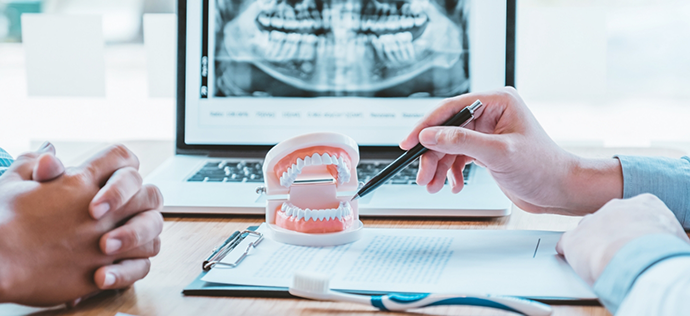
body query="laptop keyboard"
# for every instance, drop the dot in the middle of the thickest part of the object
(250, 171)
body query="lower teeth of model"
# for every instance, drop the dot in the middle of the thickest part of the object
(297, 213)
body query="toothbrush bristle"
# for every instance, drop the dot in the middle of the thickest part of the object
(311, 282)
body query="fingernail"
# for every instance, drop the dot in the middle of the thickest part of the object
(101, 209)
(112, 245)
(74, 303)
(45, 146)
(428, 137)
(109, 279)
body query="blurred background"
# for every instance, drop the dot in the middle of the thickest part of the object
(594, 72)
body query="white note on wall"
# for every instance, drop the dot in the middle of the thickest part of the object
(64, 55)
(160, 39)
(500, 262)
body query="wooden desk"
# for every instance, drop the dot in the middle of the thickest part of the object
(188, 239)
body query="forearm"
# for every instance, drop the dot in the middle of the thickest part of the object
(591, 183)
(661, 290)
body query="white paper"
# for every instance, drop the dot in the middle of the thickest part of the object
(499, 262)
(64, 55)
(160, 39)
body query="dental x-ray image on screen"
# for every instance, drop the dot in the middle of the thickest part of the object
(309, 48)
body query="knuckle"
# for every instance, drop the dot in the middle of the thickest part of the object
(510, 90)
(27, 156)
(147, 266)
(159, 222)
(131, 236)
(156, 246)
(507, 147)
(456, 136)
(155, 196)
(120, 150)
(131, 173)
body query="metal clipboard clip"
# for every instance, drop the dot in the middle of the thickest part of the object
(228, 246)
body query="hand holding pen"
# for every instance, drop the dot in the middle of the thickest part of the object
(462, 118)
(532, 170)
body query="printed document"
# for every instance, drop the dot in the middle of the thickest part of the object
(498, 262)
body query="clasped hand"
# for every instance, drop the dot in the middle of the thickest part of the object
(66, 233)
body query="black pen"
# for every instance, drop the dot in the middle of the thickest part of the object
(461, 119)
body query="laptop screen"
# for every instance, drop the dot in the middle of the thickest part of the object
(259, 71)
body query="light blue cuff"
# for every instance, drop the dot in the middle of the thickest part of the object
(667, 178)
(2, 170)
(631, 261)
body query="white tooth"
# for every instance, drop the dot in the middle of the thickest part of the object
(405, 9)
(306, 47)
(277, 22)
(321, 214)
(333, 214)
(283, 207)
(339, 213)
(300, 214)
(326, 159)
(407, 22)
(378, 46)
(403, 52)
(307, 161)
(291, 24)
(379, 25)
(419, 20)
(341, 162)
(366, 24)
(393, 22)
(300, 163)
(418, 6)
(391, 47)
(264, 19)
(308, 215)
(291, 45)
(306, 24)
(277, 38)
(316, 160)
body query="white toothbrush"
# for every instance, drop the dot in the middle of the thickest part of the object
(316, 286)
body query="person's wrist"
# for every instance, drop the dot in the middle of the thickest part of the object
(591, 183)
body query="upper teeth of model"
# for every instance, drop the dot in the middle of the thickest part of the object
(297, 213)
(316, 159)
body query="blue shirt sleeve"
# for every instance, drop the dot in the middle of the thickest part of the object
(631, 261)
(667, 178)
(5, 161)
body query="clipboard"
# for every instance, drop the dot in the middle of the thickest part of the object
(198, 287)
(202, 288)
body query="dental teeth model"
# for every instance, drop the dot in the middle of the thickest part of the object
(309, 181)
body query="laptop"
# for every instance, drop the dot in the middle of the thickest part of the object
(253, 73)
